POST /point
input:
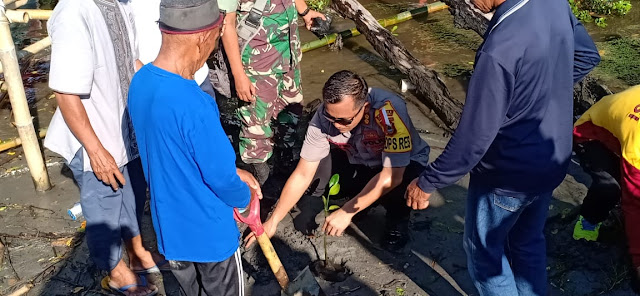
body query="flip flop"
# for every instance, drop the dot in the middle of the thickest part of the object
(106, 285)
(155, 268)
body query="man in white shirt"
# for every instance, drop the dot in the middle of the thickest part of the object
(93, 57)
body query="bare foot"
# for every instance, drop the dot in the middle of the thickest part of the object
(139, 257)
(122, 276)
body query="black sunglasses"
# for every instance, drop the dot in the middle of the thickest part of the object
(341, 121)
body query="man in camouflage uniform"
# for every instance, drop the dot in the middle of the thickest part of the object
(265, 70)
(367, 137)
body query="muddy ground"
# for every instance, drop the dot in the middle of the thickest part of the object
(45, 248)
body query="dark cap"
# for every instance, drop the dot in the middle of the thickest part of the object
(189, 16)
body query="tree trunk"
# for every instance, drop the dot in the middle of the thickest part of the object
(434, 93)
(466, 16)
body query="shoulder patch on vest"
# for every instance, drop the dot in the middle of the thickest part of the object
(397, 136)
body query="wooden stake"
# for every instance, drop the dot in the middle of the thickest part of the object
(20, 107)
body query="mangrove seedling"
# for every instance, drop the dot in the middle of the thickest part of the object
(334, 189)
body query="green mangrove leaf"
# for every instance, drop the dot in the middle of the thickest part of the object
(335, 189)
(334, 180)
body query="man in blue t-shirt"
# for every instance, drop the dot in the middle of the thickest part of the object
(186, 156)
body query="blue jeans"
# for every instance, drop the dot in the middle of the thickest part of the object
(504, 242)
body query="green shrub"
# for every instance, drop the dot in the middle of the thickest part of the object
(595, 10)
(317, 5)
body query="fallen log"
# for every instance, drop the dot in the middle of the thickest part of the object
(466, 16)
(434, 93)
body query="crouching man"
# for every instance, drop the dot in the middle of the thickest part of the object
(187, 159)
(607, 144)
(376, 151)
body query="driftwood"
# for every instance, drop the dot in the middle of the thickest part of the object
(466, 16)
(434, 93)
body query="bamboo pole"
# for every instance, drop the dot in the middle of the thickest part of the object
(399, 18)
(15, 142)
(34, 48)
(23, 290)
(16, 16)
(20, 107)
(35, 14)
(31, 50)
(13, 4)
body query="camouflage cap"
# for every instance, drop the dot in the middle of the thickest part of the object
(189, 16)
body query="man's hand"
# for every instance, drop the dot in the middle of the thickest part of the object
(270, 228)
(245, 89)
(416, 198)
(337, 222)
(105, 168)
(308, 19)
(251, 181)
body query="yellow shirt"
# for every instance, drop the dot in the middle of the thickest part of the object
(620, 115)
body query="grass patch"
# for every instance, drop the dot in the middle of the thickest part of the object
(456, 70)
(621, 59)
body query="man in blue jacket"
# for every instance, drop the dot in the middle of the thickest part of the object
(514, 137)
(186, 156)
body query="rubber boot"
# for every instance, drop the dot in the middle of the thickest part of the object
(260, 171)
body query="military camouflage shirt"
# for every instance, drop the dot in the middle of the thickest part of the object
(276, 48)
(384, 137)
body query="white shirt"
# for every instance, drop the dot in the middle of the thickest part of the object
(83, 62)
(147, 14)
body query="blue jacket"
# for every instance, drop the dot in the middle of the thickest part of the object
(189, 164)
(515, 131)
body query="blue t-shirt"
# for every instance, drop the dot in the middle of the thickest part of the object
(189, 164)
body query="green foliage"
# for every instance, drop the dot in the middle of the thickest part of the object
(334, 180)
(334, 188)
(317, 5)
(393, 31)
(607, 7)
(601, 22)
(584, 10)
(621, 59)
